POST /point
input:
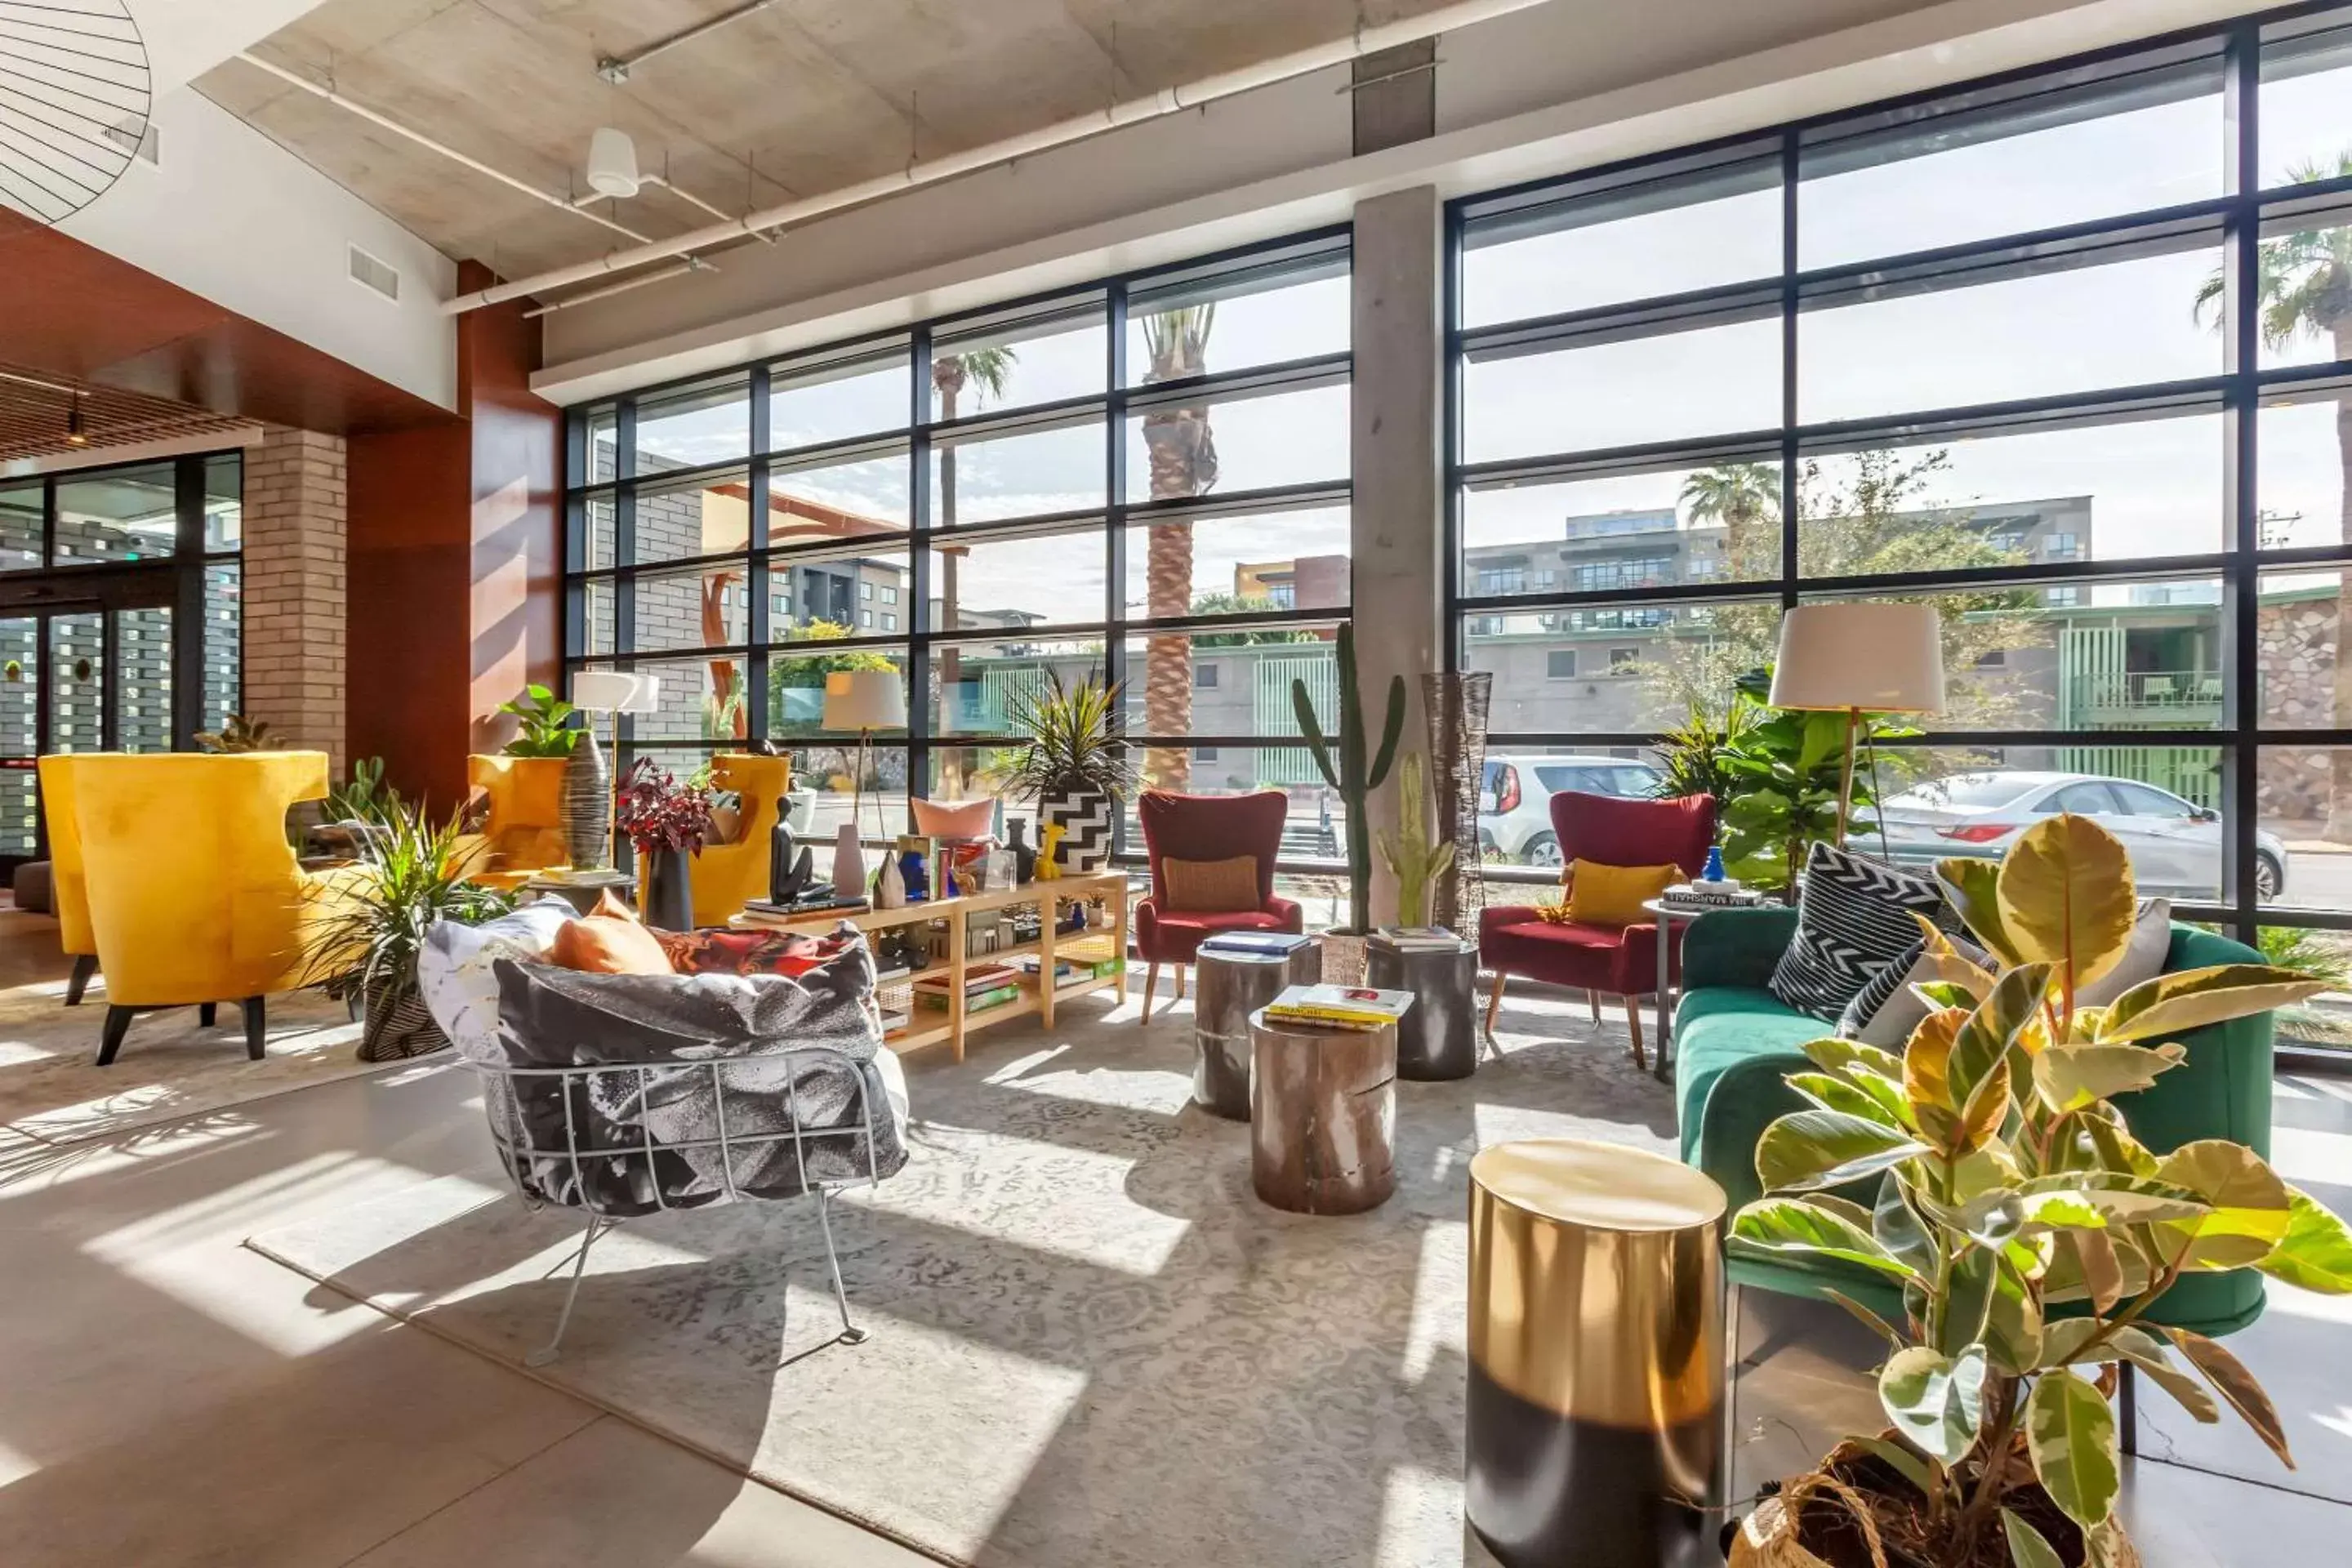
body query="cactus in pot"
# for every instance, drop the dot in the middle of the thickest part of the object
(1413, 852)
(1345, 768)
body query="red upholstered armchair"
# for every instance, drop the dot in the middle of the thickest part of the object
(1613, 832)
(1204, 828)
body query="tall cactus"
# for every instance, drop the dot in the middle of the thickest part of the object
(1413, 852)
(1341, 761)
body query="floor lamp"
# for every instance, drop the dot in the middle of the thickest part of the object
(1857, 659)
(864, 701)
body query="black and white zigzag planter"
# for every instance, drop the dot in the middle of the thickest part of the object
(1085, 818)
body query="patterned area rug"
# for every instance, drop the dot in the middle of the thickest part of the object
(1091, 1344)
(169, 1068)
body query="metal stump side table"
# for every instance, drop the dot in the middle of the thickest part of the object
(1438, 1036)
(1596, 1378)
(1228, 988)
(1322, 1117)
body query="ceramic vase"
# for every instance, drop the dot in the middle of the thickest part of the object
(669, 900)
(1025, 853)
(848, 864)
(1085, 818)
(890, 888)
(585, 807)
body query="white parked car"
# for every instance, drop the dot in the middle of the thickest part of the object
(1515, 804)
(2175, 847)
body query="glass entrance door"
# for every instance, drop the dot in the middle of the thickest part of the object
(76, 677)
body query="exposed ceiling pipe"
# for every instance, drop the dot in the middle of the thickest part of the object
(621, 285)
(559, 203)
(616, 69)
(1165, 101)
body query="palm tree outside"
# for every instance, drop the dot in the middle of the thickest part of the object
(2304, 285)
(984, 370)
(1739, 496)
(1183, 455)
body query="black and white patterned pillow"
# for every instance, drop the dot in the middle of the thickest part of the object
(1886, 1011)
(1853, 918)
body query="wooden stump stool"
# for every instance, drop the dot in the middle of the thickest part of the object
(1322, 1116)
(1231, 986)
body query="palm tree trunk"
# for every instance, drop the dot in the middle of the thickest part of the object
(951, 771)
(1183, 463)
(2339, 803)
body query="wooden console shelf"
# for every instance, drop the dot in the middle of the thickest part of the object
(1041, 996)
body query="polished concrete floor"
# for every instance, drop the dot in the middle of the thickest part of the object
(170, 1398)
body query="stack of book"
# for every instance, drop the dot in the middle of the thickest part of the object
(1710, 896)
(1337, 1007)
(1419, 939)
(985, 986)
(1067, 970)
(768, 915)
(1255, 944)
(894, 999)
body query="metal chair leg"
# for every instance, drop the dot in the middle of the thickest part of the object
(2127, 1404)
(1727, 1441)
(547, 1353)
(851, 1334)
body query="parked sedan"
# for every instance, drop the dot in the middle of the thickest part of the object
(2175, 847)
(1515, 804)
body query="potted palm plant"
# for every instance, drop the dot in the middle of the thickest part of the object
(412, 875)
(1073, 764)
(2028, 1231)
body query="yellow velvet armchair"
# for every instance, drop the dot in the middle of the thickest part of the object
(69, 887)
(195, 896)
(727, 876)
(524, 836)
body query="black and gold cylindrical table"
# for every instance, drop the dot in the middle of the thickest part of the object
(1596, 1364)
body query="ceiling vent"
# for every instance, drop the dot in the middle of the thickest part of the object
(373, 273)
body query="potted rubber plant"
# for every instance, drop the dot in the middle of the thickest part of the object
(411, 876)
(2028, 1230)
(1073, 764)
(1341, 760)
(669, 822)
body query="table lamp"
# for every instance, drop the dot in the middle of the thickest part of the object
(1857, 659)
(587, 809)
(864, 701)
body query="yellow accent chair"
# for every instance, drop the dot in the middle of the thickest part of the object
(69, 887)
(727, 876)
(194, 894)
(524, 836)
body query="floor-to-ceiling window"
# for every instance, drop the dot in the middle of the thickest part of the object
(1146, 479)
(2065, 354)
(119, 625)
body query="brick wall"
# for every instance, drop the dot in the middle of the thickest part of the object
(294, 588)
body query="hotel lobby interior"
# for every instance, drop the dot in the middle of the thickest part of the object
(1124, 783)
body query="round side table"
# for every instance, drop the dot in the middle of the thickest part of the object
(1229, 985)
(1669, 918)
(1438, 1036)
(1597, 1373)
(1322, 1117)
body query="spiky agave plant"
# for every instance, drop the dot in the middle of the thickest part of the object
(2028, 1230)
(1072, 745)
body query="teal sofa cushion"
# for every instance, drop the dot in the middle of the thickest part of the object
(1735, 1043)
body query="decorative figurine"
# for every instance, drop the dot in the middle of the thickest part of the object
(890, 886)
(1049, 844)
(1714, 872)
(1025, 853)
(789, 875)
(914, 874)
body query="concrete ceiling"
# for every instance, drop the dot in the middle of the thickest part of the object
(804, 96)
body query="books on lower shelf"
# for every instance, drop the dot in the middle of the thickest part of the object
(1067, 970)
(985, 986)
(1337, 1006)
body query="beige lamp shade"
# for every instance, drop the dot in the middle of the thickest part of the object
(1879, 658)
(614, 691)
(865, 699)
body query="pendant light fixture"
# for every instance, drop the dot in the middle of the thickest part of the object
(75, 436)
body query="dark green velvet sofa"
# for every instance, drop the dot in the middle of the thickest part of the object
(1734, 1041)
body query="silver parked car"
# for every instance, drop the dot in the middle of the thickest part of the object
(2175, 847)
(1515, 804)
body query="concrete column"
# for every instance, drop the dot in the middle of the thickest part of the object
(294, 588)
(1397, 529)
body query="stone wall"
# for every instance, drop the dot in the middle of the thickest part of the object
(2297, 647)
(294, 588)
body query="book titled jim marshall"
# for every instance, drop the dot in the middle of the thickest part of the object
(1338, 1006)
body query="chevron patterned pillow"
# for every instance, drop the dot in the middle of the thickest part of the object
(1853, 918)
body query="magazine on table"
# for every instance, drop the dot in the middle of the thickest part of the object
(1338, 1006)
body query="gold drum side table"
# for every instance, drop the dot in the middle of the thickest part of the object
(1596, 1356)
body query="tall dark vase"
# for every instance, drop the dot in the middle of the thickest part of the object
(668, 903)
(1025, 853)
(586, 808)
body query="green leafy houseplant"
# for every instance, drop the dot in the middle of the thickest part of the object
(1072, 747)
(2028, 1231)
(1341, 761)
(1691, 755)
(411, 877)
(1780, 771)
(365, 796)
(544, 721)
(240, 734)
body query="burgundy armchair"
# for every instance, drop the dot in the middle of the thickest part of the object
(1206, 827)
(1600, 959)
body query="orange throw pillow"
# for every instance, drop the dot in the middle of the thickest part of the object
(1211, 887)
(609, 940)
